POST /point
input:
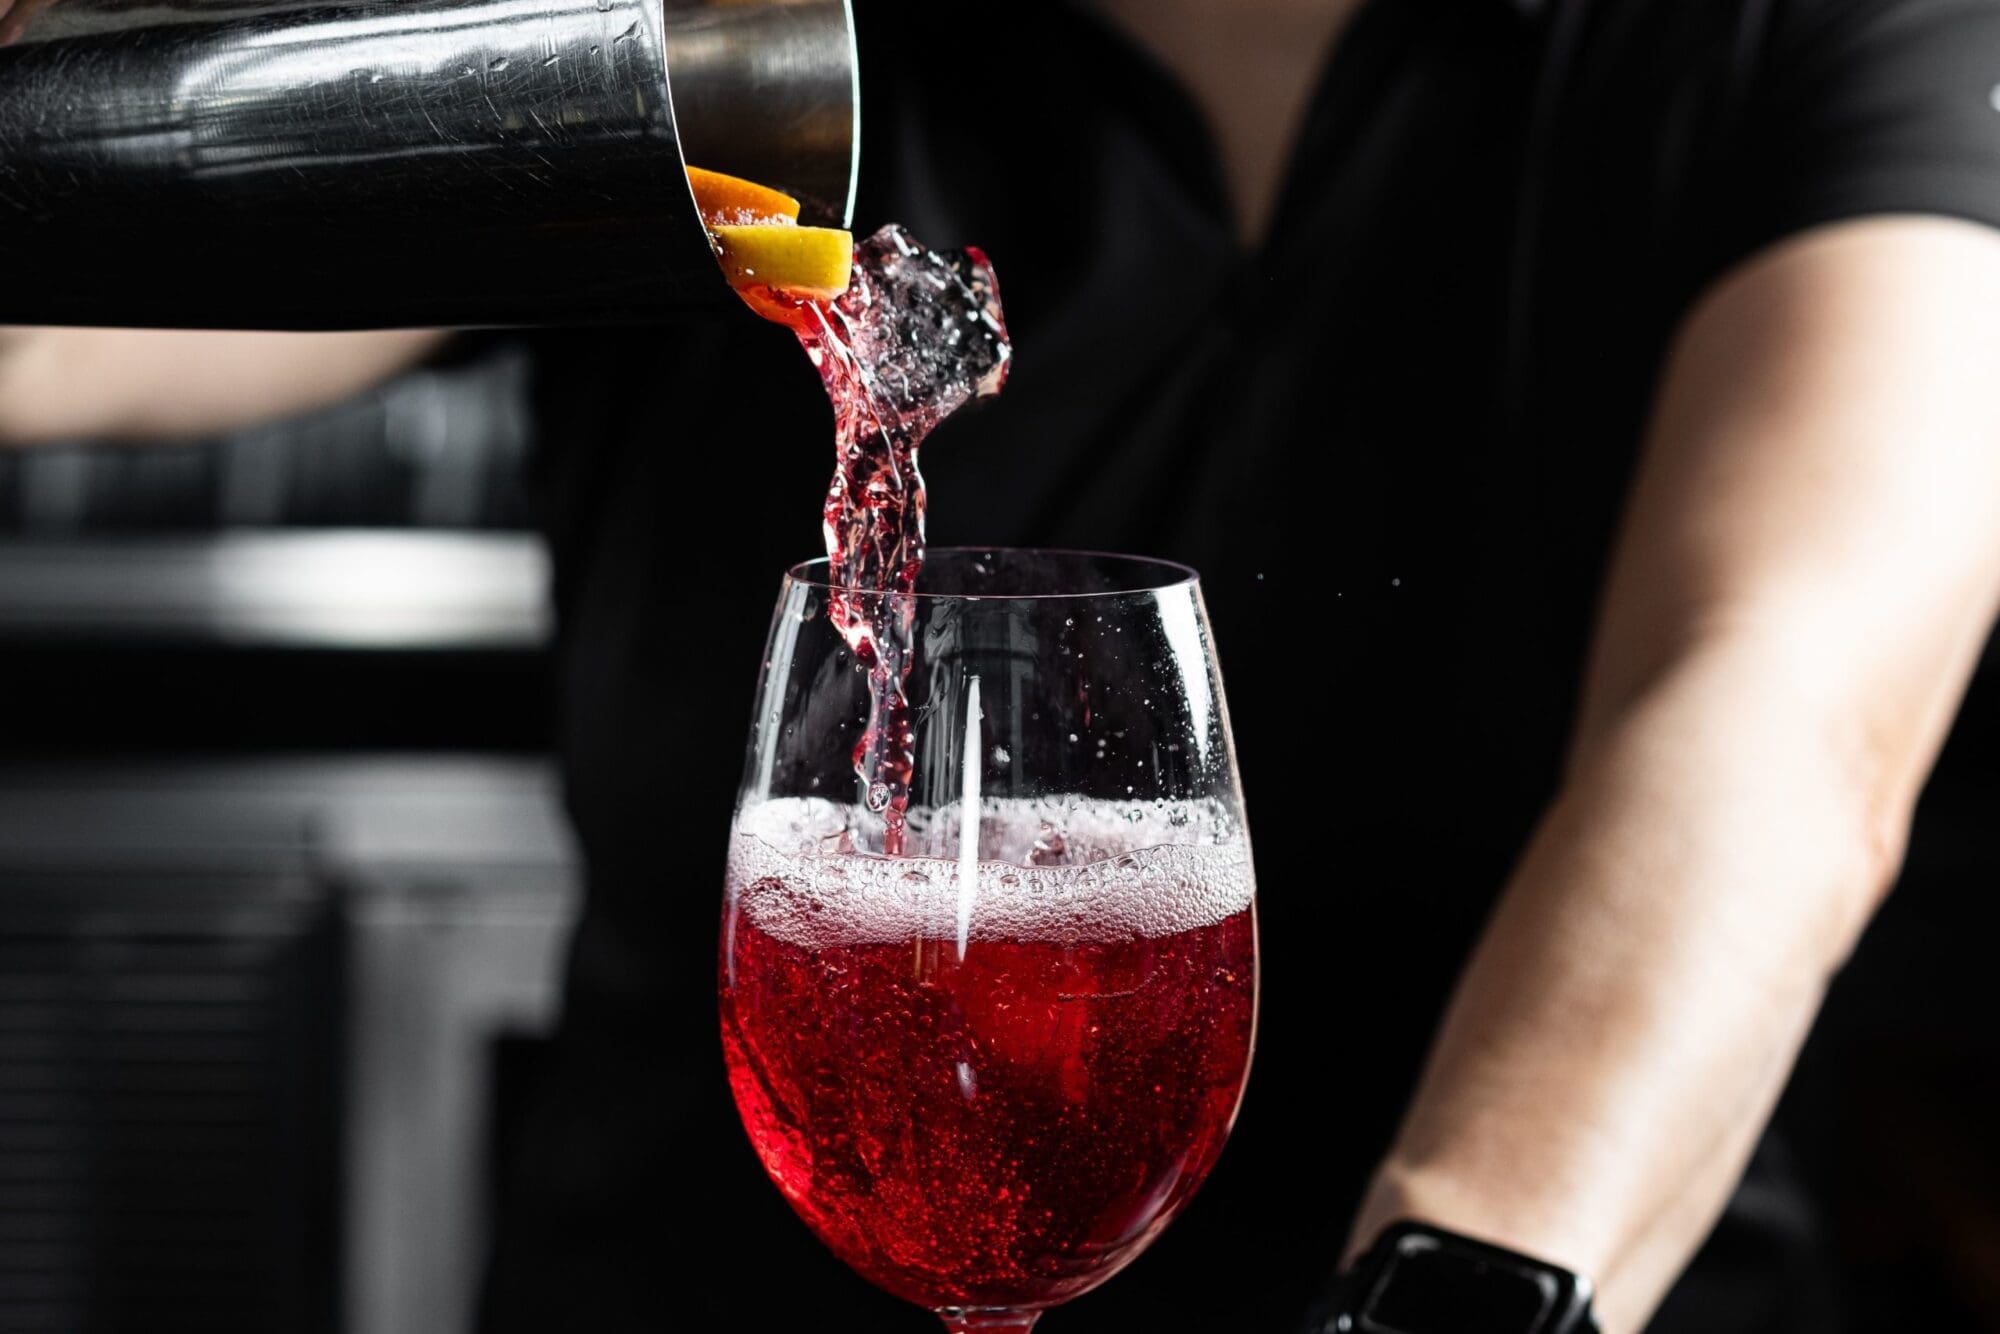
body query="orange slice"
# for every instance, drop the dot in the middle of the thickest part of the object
(733, 201)
(798, 261)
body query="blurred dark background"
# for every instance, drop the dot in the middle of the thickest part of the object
(284, 885)
(284, 880)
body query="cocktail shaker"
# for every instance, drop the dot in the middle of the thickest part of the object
(333, 164)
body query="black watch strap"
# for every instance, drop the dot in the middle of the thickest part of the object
(1418, 1279)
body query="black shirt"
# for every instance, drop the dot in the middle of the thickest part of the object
(1395, 437)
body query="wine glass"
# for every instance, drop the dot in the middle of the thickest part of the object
(989, 1071)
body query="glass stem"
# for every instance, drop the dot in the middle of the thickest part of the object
(989, 1321)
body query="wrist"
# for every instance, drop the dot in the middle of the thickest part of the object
(1418, 1278)
(1512, 1214)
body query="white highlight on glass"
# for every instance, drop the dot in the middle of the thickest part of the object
(968, 818)
(1182, 627)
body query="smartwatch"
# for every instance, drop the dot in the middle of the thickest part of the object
(1418, 1279)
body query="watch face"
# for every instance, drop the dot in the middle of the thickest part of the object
(1426, 1289)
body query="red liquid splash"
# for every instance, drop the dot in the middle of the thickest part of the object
(916, 335)
(1003, 1130)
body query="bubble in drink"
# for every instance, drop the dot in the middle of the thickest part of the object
(996, 1108)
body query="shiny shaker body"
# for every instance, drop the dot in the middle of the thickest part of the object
(326, 164)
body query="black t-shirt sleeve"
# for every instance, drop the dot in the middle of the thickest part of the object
(1864, 107)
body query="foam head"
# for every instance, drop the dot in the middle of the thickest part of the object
(1128, 873)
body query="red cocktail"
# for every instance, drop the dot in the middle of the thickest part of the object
(1004, 1127)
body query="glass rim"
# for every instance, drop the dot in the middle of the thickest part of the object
(1169, 575)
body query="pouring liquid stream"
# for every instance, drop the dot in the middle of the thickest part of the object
(917, 334)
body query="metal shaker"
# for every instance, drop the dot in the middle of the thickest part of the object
(332, 164)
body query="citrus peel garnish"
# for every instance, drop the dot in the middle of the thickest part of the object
(797, 261)
(735, 202)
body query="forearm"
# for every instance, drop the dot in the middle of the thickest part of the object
(1806, 575)
(1635, 1006)
(126, 384)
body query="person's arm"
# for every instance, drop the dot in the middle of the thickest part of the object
(1808, 570)
(14, 16)
(126, 384)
